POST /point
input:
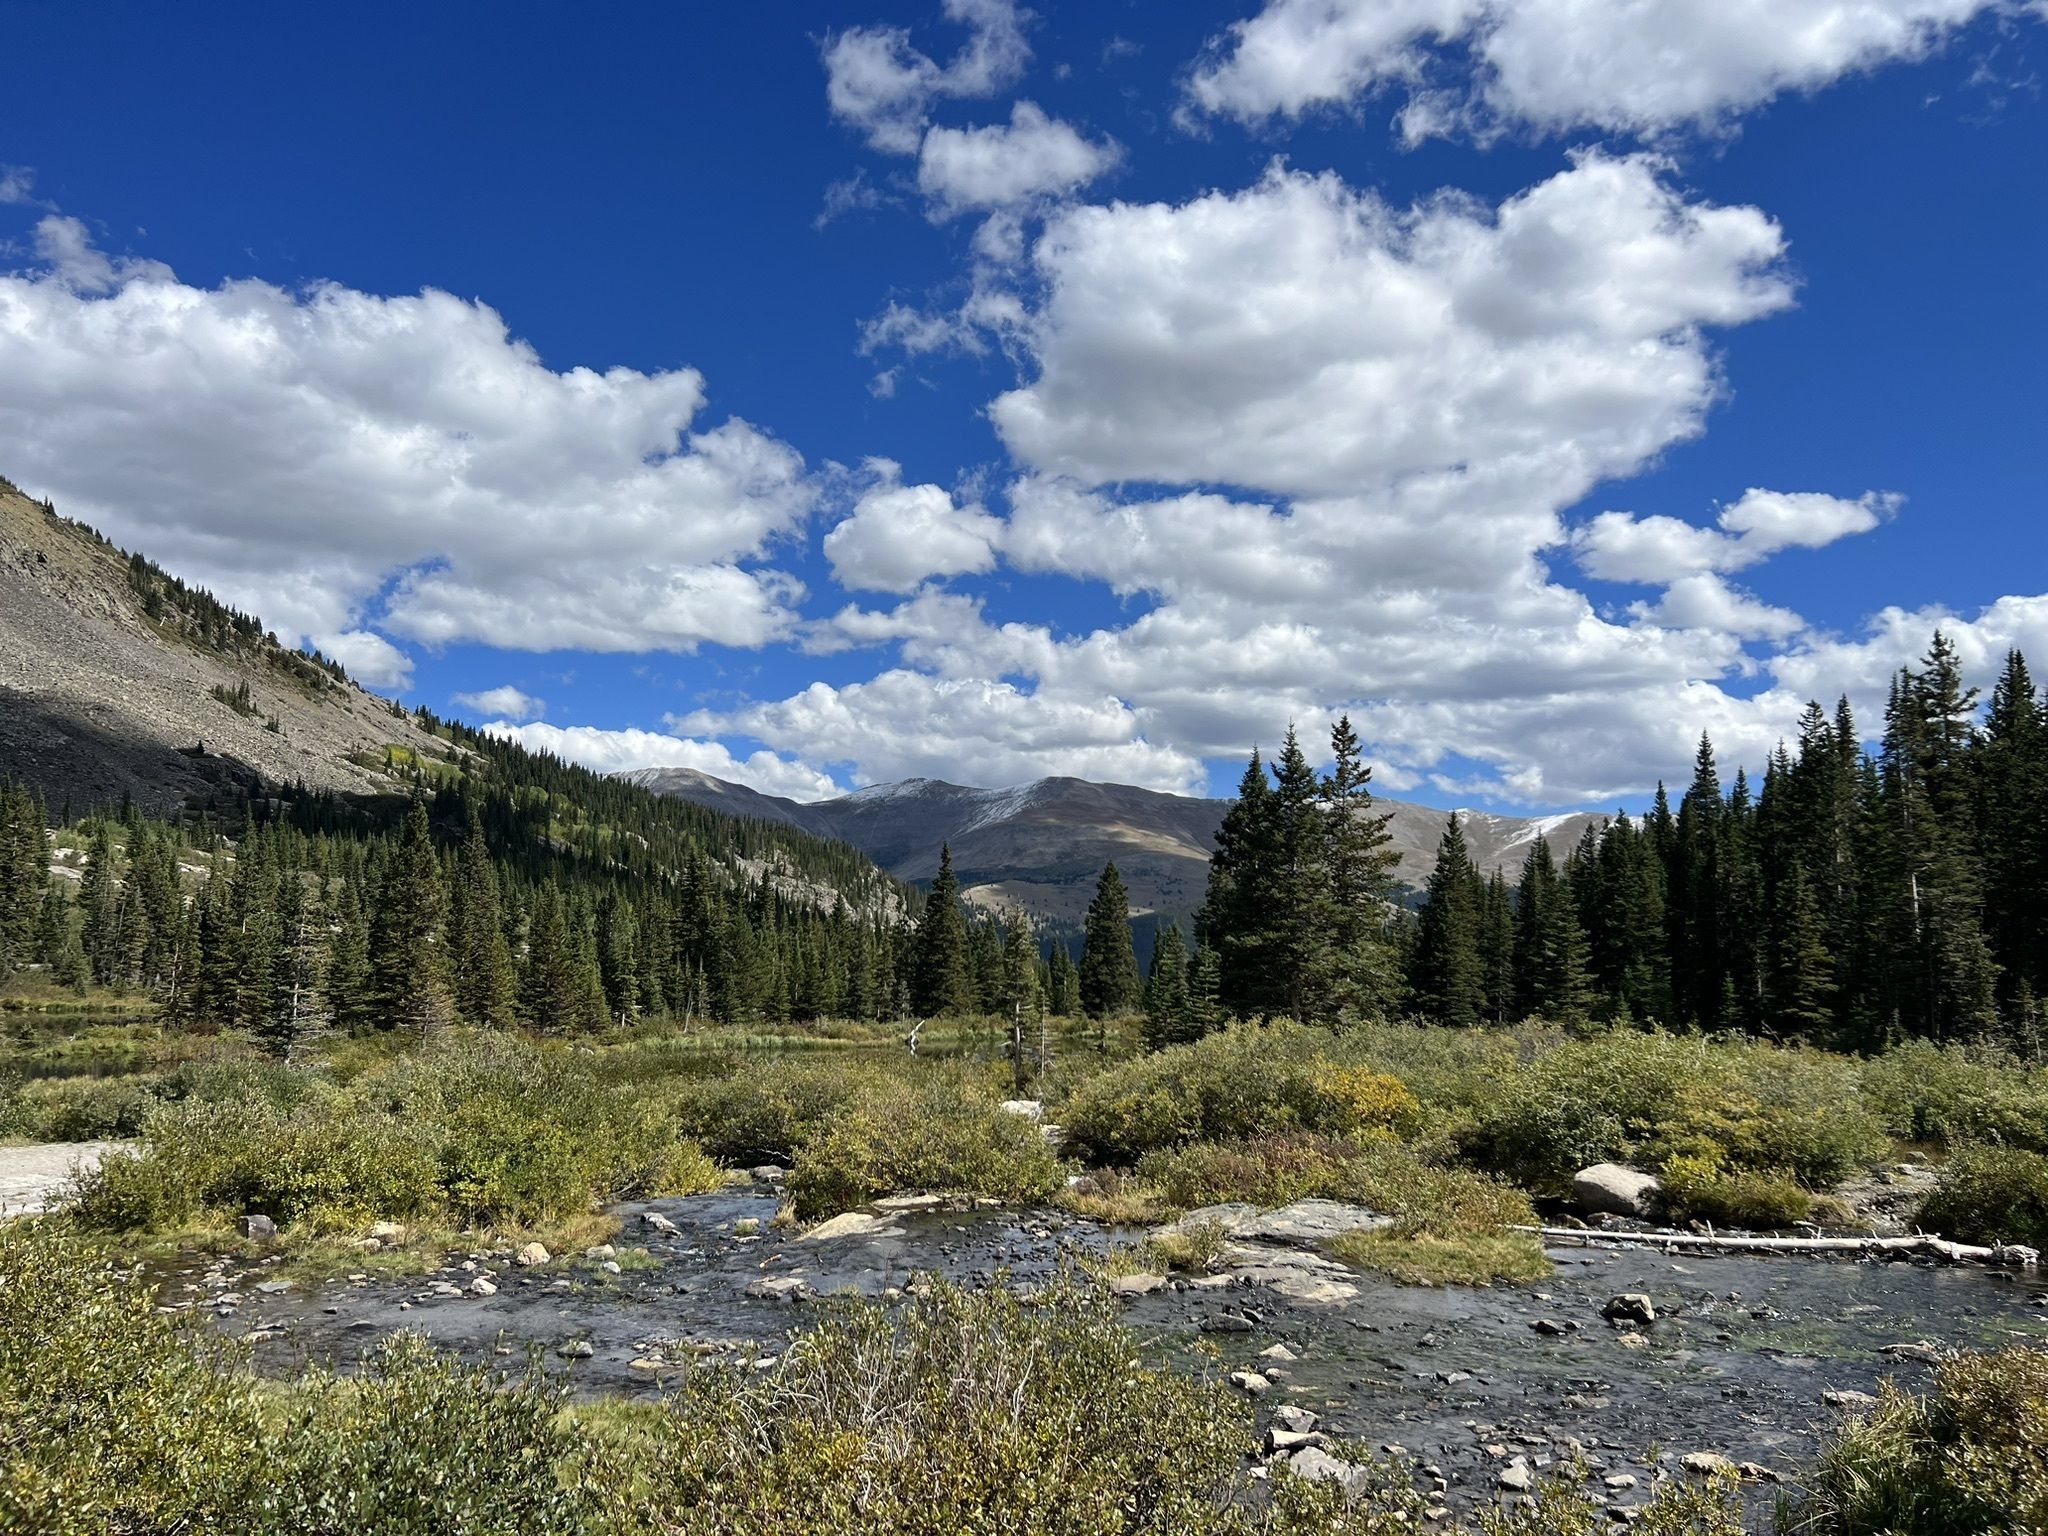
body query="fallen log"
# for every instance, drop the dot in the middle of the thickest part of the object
(2006, 1255)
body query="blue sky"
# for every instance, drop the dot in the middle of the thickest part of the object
(981, 391)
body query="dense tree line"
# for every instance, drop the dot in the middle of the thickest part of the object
(308, 920)
(1851, 898)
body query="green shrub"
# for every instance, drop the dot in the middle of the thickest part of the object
(1952, 1094)
(116, 1419)
(764, 1110)
(1630, 1096)
(934, 1133)
(478, 1129)
(1990, 1195)
(1968, 1459)
(1244, 1082)
(1699, 1189)
(967, 1412)
(76, 1108)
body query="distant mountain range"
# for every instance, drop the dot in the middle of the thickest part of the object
(1039, 847)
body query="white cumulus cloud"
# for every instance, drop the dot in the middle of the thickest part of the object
(504, 702)
(1304, 338)
(298, 450)
(1032, 156)
(609, 751)
(898, 535)
(1617, 546)
(878, 83)
(1637, 66)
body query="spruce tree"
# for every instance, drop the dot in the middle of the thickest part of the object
(1449, 980)
(1168, 1012)
(407, 958)
(1357, 971)
(481, 978)
(1236, 918)
(1109, 964)
(942, 983)
(1299, 903)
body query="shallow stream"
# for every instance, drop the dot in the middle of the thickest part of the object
(1739, 1361)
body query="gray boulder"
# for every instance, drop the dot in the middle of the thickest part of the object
(1616, 1190)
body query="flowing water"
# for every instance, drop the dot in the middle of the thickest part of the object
(1461, 1380)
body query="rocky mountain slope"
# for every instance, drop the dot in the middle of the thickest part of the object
(1039, 847)
(115, 679)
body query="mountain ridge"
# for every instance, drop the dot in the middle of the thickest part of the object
(1038, 847)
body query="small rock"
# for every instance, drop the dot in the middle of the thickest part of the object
(1755, 1472)
(1293, 1420)
(1137, 1285)
(1024, 1109)
(576, 1349)
(601, 1252)
(1318, 1466)
(1286, 1442)
(1633, 1341)
(1226, 1322)
(532, 1255)
(482, 1287)
(1708, 1464)
(768, 1173)
(1923, 1352)
(1547, 1326)
(1279, 1352)
(1250, 1382)
(260, 1228)
(1855, 1402)
(646, 1367)
(779, 1288)
(1517, 1476)
(610, 1266)
(273, 1287)
(1631, 1307)
(659, 1222)
(387, 1232)
(1620, 1482)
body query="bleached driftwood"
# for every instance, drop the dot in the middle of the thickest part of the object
(2006, 1255)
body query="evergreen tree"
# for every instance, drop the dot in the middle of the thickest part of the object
(99, 905)
(1357, 974)
(1236, 916)
(1168, 1005)
(942, 982)
(351, 999)
(1550, 954)
(1497, 949)
(1065, 985)
(1449, 980)
(407, 958)
(1299, 904)
(481, 977)
(1109, 965)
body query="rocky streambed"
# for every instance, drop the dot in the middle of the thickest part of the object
(1482, 1390)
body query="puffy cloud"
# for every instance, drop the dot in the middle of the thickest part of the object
(1554, 65)
(904, 724)
(370, 659)
(610, 751)
(1705, 601)
(898, 535)
(1616, 546)
(1409, 399)
(1305, 339)
(998, 166)
(328, 443)
(504, 702)
(879, 84)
